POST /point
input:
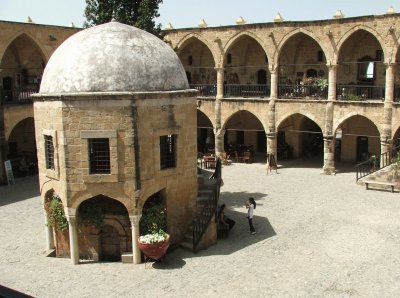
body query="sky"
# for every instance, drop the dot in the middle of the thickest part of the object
(188, 13)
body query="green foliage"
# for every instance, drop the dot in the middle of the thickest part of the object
(322, 83)
(138, 13)
(154, 219)
(353, 97)
(91, 216)
(55, 214)
(396, 164)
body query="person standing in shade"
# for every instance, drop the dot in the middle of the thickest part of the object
(251, 205)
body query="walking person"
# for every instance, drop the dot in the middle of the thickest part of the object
(251, 205)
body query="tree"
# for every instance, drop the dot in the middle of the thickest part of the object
(138, 13)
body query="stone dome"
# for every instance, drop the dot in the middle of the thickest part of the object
(113, 57)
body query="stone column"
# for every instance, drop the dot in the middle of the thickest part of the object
(386, 136)
(274, 81)
(329, 155)
(272, 133)
(135, 219)
(272, 144)
(49, 233)
(332, 79)
(329, 141)
(73, 239)
(219, 136)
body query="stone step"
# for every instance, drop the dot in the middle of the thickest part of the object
(187, 245)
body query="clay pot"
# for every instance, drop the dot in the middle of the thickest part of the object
(154, 251)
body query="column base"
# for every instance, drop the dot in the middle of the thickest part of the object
(328, 170)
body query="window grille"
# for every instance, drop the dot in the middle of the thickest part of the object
(49, 152)
(99, 156)
(167, 152)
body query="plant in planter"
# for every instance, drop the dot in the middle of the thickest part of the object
(154, 241)
(58, 221)
(55, 214)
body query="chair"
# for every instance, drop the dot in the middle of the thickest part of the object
(247, 157)
(238, 158)
(225, 159)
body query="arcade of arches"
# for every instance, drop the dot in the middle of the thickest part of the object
(297, 89)
(277, 72)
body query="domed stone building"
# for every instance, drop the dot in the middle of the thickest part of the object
(115, 125)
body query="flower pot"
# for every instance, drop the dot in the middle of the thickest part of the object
(154, 251)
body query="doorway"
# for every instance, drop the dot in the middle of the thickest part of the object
(362, 148)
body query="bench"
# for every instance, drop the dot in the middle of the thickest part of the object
(391, 184)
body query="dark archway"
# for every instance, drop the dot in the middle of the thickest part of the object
(104, 229)
(300, 137)
(22, 65)
(246, 66)
(302, 67)
(359, 139)
(361, 72)
(244, 132)
(22, 148)
(205, 133)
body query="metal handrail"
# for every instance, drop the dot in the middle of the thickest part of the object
(16, 97)
(246, 90)
(205, 90)
(359, 92)
(201, 222)
(310, 91)
(375, 163)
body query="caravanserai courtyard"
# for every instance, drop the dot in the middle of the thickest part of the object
(317, 236)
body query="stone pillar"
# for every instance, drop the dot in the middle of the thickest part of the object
(329, 141)
(73, 239)
(220, 82)
(389, 83)
(135, 219)
(332, 79)
(329, 155)
(386, 136)
(274, 81)
(272, 144)
(49, 233)
(219, 143)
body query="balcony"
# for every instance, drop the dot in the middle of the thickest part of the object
(16, 97)
(246, 91)
(360, 92)
(302, 91)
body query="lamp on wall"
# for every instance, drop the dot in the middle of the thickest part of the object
(198, 103)
(52, 37)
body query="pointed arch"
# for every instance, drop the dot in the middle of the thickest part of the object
(238, 35)
(307, 115)
(30, 38)
(182, 43)
(80, 197)
(353, 30)
(247, 114)
(338, 122)
(290, 34)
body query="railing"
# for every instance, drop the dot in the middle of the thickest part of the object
(375, 163)
(255, 91)
(302, 91)
(360, 92)
(16, 96)
(205, 90)
(201, 222)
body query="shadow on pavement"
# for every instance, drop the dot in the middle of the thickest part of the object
(23, 189)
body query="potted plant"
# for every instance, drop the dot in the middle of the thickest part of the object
(58, 221)
(154, 241)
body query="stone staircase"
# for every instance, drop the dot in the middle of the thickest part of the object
(382, 179)
(206, 189)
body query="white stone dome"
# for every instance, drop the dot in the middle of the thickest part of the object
(113, 57)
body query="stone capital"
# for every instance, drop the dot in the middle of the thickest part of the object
(135, 219)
